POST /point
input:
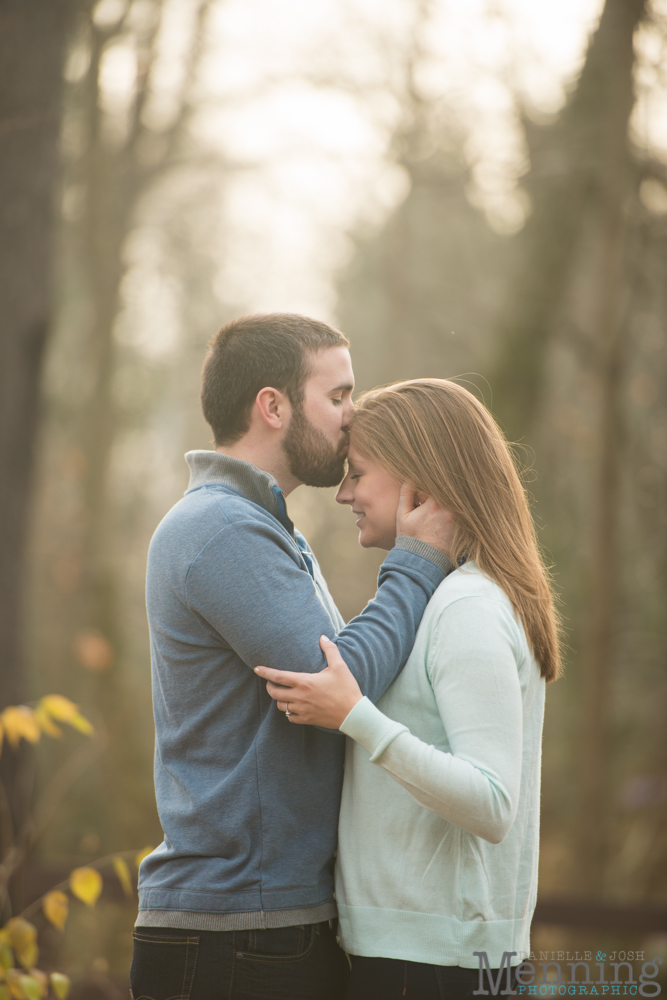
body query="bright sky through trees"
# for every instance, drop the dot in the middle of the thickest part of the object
(321, 129)
(304, 98)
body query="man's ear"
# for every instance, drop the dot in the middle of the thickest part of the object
(273, 407)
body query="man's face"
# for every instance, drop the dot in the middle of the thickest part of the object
(316, 441)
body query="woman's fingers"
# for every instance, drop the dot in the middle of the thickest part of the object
(294, 715)
(284, 677)
(330, 650)
(321, 699)
(280, 693)
(284, 685)
(276, 691)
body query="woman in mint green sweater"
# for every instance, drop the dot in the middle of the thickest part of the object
(436, 875)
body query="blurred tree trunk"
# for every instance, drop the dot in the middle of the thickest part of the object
(118, 161)
(578, 167)
(112, 180)
(32, 50)
(115, 174)
(581, 183)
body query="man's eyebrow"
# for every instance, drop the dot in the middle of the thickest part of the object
(342, 388)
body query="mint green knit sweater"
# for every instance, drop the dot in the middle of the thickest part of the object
(439, 822)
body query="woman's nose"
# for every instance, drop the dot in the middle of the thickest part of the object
(345, 492)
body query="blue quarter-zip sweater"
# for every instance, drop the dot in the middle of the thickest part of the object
(249, 803)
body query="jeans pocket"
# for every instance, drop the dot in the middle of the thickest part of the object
(279, 944)
(163, 965)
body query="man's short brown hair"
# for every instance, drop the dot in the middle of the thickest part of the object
(251, 353)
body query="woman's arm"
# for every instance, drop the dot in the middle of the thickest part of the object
(472, 666)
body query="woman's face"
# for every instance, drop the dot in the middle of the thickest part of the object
(373, 494)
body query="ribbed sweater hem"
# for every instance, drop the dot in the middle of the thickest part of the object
(369, 726)
(247, 921)
(430, 937)
(442, 561)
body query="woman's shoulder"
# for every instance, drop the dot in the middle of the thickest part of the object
(469, 594)
(469, 581)
(469, 607)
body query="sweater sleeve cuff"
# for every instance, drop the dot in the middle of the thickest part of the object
(369, 726)
(434, 555)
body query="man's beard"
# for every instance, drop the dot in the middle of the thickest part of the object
(312, 458)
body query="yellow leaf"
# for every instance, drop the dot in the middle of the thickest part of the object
(60, 985)
(143, 854)
(81, 723)
(42, 981)
(28, 956)
(63, 710)
(14, 983)
(123, 873)
(58, 707)
(30, 987)
(86, 884)
(6, 956)
(56, 907)
(46, 724)
(23, 939)
(4, 993)
(20, 932)
(19, 722)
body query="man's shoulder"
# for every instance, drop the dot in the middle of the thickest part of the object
(212, 512)
(213, 506)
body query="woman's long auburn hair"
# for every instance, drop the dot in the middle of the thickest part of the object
(437, 435)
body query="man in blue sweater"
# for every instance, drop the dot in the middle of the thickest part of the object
(237, 902)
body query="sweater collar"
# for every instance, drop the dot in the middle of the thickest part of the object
(209, 467)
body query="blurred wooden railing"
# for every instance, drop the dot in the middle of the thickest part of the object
(601, 914)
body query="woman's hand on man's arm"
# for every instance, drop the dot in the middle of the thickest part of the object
(323, 699)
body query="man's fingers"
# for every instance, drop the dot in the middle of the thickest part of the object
(407, 498)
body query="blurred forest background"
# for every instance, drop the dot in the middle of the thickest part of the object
(475, 190)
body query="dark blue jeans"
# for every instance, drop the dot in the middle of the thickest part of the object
(286, 963)
(392, 979)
